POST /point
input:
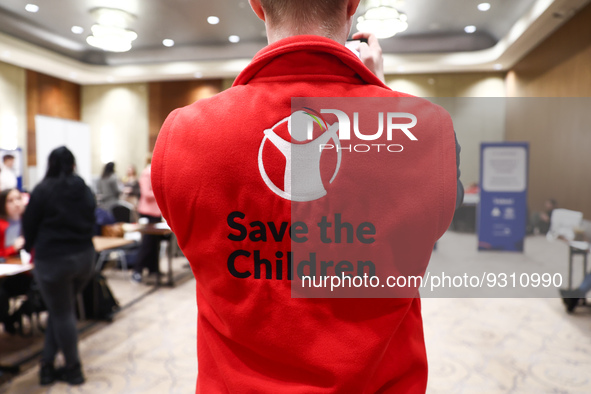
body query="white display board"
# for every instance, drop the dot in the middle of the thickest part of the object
(505, 169)
(55, 132)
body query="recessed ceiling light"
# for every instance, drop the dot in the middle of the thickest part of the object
(470, 29)
(213, 20)
(234, 39)
(484, 6)
(167, 42)
(77, 29)
(32, 7)
(498, 66)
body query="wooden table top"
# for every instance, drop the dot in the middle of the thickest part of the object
(105, 243)
(150, 228)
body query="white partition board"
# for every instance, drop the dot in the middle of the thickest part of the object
(55, 132)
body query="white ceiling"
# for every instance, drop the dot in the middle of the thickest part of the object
(434, 42)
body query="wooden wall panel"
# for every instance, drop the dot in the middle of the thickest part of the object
(560, 66)
(560, 149)
(558, 129)
(164, 97)
(51, 97)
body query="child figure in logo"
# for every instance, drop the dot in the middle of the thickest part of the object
(302, 180)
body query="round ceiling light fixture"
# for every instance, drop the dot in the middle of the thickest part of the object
(111, 33)
(382, 19)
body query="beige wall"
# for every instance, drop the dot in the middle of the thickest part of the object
(119, 113)
(13, 116)
(558, 127)
(449, 85)
(118, 119)
(475, 102)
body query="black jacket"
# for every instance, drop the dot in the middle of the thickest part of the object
(59, 218)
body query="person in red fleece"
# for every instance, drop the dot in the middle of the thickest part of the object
(11, 242)
(219, 176)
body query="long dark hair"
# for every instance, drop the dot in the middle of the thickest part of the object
(108, 170)
(61, 162)
(3, 197)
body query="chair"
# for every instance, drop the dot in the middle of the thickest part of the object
(562, 225)
(123, 211)
(31, 306)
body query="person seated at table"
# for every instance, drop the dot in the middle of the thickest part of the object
(11, 242)
(472, 189)
(131, 186)
(540, 221)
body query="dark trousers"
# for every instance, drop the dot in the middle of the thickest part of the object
(148, 255)
(59, 280)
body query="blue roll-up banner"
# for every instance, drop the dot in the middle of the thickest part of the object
(18, 164)
(502, 212)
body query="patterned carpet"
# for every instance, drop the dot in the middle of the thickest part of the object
(474, 345)
(131, 355)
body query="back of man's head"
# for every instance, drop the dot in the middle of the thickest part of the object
(304, 14)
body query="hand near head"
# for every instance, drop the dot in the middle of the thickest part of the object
(371, 54)
(19, 243)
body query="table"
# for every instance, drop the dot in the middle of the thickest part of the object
(464, 219)
(577, 248)
(12, 266)
(103, 244)
(157, 229)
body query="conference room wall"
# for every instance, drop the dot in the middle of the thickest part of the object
(13, 115)
(118, 119)
(473, 122)
(164, 97)
(560, 137)
(49, 96)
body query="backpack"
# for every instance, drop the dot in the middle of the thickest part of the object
(99, 302)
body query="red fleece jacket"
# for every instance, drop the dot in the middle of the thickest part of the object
(5, 251)
(207, 176)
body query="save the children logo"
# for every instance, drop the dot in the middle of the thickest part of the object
(302, 180)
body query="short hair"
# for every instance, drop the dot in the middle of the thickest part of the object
(7, 157)
(304, 13)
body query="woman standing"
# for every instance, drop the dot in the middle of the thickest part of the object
(58, 224)
(108, 187)
(149, 253)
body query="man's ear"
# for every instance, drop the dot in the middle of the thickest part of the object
(352, 7)
(258, 8)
